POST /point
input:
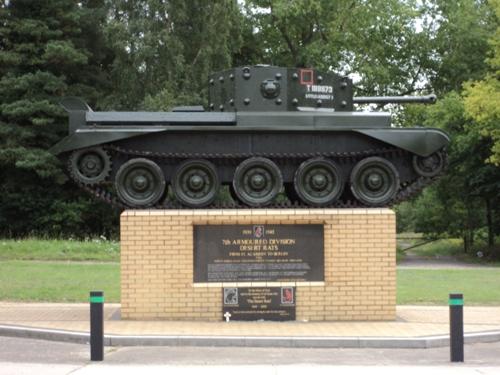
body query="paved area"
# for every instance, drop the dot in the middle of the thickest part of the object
(104, 369)
(27, 356)
(412, 321)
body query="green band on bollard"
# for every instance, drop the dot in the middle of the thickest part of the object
(456, 302)
(97, 299)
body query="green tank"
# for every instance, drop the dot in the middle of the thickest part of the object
(266, 130)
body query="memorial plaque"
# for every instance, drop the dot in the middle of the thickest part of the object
(231, 253)
(276, 304)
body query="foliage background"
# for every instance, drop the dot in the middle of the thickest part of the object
(154, 54)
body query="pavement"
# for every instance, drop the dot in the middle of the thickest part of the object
(416, 341)
(415, 327)
(28, 356)
(249, 370)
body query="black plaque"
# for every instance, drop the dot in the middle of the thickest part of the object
(264, 303)
(229, 253)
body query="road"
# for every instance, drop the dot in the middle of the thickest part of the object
(27, 356)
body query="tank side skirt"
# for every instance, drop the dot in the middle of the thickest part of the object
(422, 142)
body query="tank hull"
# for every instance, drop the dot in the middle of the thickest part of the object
(420, 141)
(287, 149)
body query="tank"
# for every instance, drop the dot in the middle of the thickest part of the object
(272, 136)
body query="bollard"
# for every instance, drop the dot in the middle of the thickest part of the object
(456, 303)
(96, 326)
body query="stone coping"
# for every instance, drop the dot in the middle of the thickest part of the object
(259, 211)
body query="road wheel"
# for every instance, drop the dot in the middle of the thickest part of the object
(374, 181)
(318, 182)
(195, 183)
(257, 181)
(140, 183)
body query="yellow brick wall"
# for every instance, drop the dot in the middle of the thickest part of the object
(360, 264)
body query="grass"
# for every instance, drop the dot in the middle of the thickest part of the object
(479, 286)
(53, 271)
(72, 281)
(39, 249)
(57, 281)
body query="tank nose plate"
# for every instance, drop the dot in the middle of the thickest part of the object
(420, 141)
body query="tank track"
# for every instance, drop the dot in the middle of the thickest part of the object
(406, 192)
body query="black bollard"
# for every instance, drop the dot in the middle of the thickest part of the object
(456, 303)
(96, 326)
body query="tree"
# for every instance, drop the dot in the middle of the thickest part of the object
(463, 201)
(378, 41)
(165, 50)
(482, 97)
(48, 49)
(460, 42)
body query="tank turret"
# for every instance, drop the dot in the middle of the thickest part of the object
(275, 137)
(271, 88)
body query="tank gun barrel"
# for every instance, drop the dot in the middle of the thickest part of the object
(427, 99)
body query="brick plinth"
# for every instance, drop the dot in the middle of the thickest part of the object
(360, 264)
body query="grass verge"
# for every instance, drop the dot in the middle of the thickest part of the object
(71, 282)
(39, 249)
(433, 286)
(58, 282)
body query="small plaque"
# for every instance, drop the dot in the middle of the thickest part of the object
(232, 253)
(277, 303)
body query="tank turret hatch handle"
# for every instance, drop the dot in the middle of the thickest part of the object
(426, 99)
(73, 104)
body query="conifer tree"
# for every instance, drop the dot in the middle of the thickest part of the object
(48, 49)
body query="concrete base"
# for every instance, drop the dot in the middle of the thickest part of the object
(359, 252)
